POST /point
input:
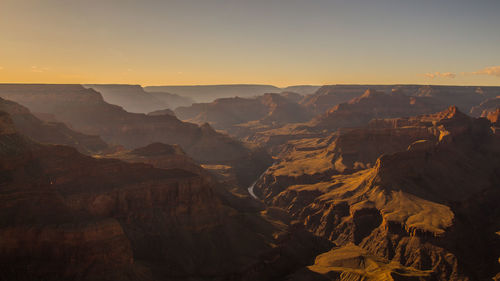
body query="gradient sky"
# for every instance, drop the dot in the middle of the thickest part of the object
(281, 42)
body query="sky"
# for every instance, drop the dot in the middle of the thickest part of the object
(278, 42)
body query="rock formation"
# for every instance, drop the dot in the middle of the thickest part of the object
(417, 207)
(494, 117)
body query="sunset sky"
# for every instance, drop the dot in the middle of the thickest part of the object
(281, 42)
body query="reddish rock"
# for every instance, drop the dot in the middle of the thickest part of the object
(494, 117)
(417, 207)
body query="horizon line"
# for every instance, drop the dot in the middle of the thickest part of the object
(250, 84)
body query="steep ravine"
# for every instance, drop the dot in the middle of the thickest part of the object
(252, 186)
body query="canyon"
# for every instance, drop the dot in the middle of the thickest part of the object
(339, 182)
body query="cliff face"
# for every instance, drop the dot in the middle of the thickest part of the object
(86, 111)
(50, 132)
(65, 216)
(416, 207)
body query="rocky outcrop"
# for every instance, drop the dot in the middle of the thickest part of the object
(86, 111)
(494, 117)
(351, 262)
(50, 132)
(416, 207)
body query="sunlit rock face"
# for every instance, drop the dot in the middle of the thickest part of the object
(415, 206)
(494, 117)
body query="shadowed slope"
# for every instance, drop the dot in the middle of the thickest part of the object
(50, 132)
(66, 216)
(86, 111)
